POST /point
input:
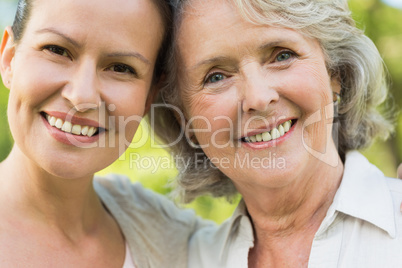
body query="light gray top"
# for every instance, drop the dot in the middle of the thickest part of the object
(362, 228)
(156, 230)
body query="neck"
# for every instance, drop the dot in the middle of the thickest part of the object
(286, 219)
(70, 205)
(294, 208)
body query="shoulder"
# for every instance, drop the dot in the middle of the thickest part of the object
(134, 198)
(370, 206)
(226, 245)
(149, 221)
(395, 185)
(122, 189)
(395, 188)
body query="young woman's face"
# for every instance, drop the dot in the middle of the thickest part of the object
(79, 81)
(262, 96)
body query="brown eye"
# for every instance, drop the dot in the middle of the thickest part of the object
(122, 68)
(57, 50)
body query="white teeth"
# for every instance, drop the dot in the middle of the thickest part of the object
(287, 125)
(52, 121)
(67, 126)
(281, 130)
(91, 131)
(84, 130)
(59, 123)
(70, 128)
(266, 136)
(76, 130)
(275, 133)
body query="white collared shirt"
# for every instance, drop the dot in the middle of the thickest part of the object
(155, 229)
(362, 228)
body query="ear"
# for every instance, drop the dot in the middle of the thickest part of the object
(7, 52)
(153, 92)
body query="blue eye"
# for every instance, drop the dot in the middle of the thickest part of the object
(215, 78)
(284, 56)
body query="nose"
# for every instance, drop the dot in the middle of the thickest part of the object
(82, 90)
(258, 92)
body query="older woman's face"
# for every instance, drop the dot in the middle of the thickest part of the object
(241, 83)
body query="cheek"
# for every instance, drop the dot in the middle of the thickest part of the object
(23, 106)
(126, 109)
(317, 120)
(215, 113)
(35, 79)
(308, 87)
(13, 108)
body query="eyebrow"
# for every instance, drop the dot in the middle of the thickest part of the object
(79, 45)
(129, 54)
(261, 48)
(280, 42)
(270, 45)
(66, 37)
(211, 61)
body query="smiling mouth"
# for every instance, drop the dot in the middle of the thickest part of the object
(69, 128)
(273, 134)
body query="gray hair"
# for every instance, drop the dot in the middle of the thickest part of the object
(350, 56)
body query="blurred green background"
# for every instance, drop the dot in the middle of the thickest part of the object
(381, 22)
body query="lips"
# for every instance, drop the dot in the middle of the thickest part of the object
(71, 128)
(273, 134)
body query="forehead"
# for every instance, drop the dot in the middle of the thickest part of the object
(209, 12)
(211, 28)
(105, 10)
(117, 20)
